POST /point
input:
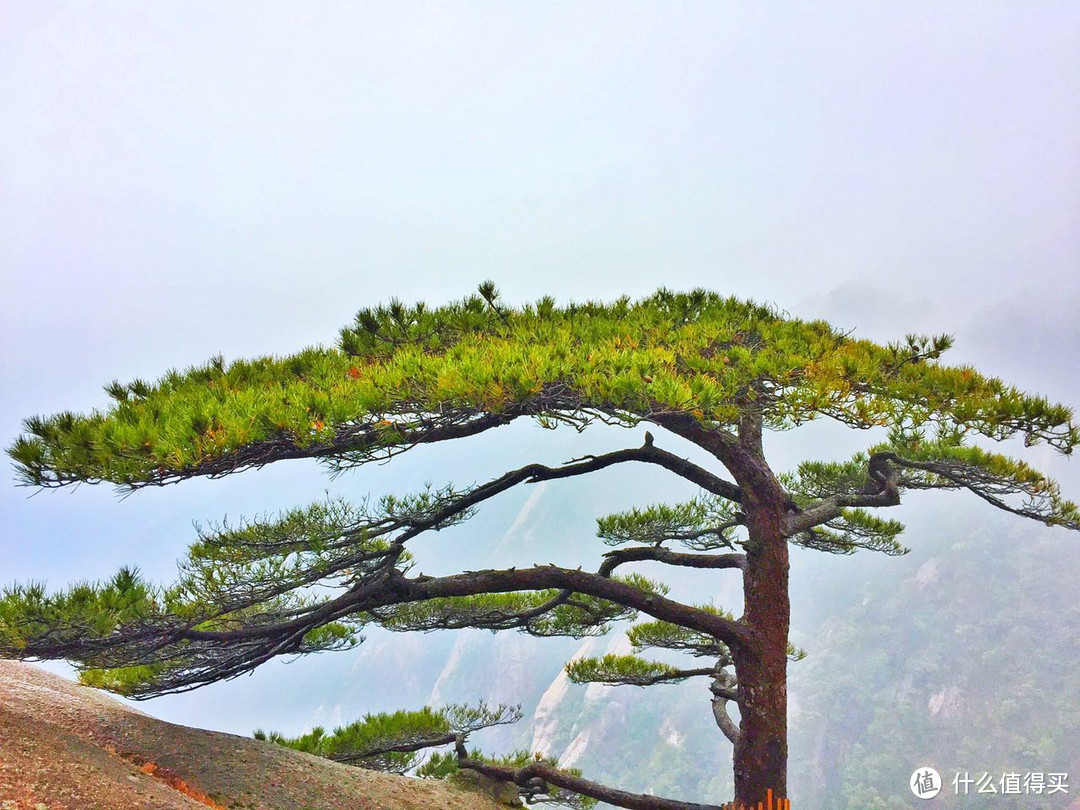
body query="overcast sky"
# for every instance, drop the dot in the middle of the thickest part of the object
(181, 179)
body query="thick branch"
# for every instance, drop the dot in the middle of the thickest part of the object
(616, 558)
(750, 432)
(741, 455)
(534, 776)
(537, 578)
(195, 657)
(721, 443)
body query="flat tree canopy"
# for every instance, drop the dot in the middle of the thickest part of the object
(715, 371)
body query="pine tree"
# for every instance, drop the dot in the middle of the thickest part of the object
(717, 372)
(392, 742)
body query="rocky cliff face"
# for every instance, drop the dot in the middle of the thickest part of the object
(66, 747)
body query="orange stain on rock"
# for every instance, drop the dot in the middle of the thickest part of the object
(178, 784)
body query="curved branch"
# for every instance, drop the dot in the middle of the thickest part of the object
(1042, 497)
(535, 473)
(882, 490)
(721, 443)
(454, 508)
(537, 578)
(723, 689)
(650, 454)
(534, 777)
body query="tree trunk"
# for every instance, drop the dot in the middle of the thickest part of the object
(761, 665)
(761, 658)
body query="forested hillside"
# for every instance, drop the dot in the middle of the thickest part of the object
(964, 656)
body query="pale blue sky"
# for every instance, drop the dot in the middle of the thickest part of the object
(179, 179)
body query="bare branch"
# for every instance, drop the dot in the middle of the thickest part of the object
(651, 454)
(723, 690)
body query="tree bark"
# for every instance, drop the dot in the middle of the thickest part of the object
(761, 659)
(761, 664)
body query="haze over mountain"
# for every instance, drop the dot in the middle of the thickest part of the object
(243, 178)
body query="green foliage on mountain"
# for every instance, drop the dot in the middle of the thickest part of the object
(394, 741)
(964, 657)
(402, 742)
